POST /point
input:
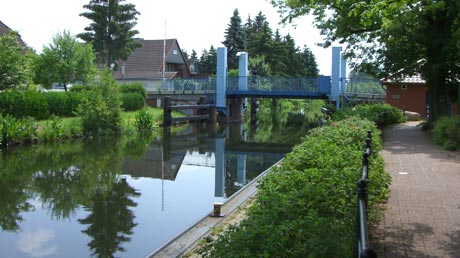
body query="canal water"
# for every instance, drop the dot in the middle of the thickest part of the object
(128, 196)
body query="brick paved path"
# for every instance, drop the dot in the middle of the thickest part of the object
(422, 216)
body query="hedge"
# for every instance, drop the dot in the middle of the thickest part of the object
(306, 207)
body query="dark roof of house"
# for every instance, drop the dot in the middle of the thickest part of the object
(5, 30)
(415, 79)
(146, 62)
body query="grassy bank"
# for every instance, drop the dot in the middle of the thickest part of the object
(16, 131)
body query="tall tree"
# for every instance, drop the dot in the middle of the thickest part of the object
(393, 39)
(309, 63)
(259, 41)
(111, 31)
(14, 63)
(234, 39)
(65, 61)
(208, 61)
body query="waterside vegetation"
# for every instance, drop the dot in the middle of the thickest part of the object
(306, 207)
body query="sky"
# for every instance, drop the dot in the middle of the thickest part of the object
(196, 24)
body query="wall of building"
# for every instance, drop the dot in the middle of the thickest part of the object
(408, 97)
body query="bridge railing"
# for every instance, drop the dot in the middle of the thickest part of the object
(364, 251)
(202, 84)
(256, 83)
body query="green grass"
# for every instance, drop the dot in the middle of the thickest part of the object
(70, 127)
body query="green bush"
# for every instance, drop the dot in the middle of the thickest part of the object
(16, 130)
(306, 207)
(145, 121)
(446, 132)
(100, 108)
(381, 114)
(132, 101)
(22, 104)
(135, 87)
(62, 104)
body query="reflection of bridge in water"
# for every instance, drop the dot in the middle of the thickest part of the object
(204, 147)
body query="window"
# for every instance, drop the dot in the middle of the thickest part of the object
(174, 52)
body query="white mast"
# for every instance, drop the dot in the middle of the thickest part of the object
(164, 53)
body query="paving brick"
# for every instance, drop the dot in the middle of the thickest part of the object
(422, 216)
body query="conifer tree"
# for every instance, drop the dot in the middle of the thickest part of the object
(234, 39)
(111, 29)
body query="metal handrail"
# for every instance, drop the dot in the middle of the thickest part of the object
(364, 251)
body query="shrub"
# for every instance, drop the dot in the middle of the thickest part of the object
(22, 104)
(306, 207)
(100, 108)
(446, 132)
(381, 114)
(133, 88)
(63, 104)
(16, 130)
(132, 101)
(145, 122)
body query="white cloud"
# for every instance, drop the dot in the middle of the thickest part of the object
(37, 244)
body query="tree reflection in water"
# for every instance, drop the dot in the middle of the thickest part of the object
(110, 222)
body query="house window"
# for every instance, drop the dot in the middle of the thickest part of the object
(174, 52)
(403, 86)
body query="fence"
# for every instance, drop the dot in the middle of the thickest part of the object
(364, 251)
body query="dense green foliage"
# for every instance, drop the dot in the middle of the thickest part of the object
(446, 132)
(132, 101)
(62, 104)
(15, 63)
(234, 40)
(65, 61)
(145, 121)
(381, 114)
(306, 207)
(21, 104)
(393, 39)
(16, 130)
(135, 87)
(111, 31)
(100, 108)
(256, 38)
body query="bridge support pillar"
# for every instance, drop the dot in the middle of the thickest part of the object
(338, 78)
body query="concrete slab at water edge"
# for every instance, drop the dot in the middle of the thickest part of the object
(422, 216)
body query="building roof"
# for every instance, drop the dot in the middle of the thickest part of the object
(4, 30)
(146, 62)
(415, 79)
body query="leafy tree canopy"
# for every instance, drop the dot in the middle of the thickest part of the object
(15, 63)
(393, 39)
(65, 61)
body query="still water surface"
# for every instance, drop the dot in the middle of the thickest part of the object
(124, 197)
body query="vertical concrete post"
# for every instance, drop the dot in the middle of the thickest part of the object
(243, 72)
(221, 103)
(243, 75)
(241, 169)
(343, 73)
(335, 78)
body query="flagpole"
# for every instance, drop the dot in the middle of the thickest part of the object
(164, 53)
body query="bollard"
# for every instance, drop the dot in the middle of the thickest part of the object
(217, 211)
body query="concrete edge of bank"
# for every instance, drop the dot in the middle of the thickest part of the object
(188, 240)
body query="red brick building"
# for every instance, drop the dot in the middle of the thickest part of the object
(410, 94)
